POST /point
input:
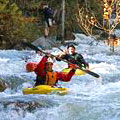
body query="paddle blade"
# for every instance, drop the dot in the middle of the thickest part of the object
(33, 47)
(92, 73)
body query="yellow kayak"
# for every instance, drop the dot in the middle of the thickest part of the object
(45, 89)
(77, 72)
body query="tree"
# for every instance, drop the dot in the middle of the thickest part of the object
(13, 27)
(88, 21)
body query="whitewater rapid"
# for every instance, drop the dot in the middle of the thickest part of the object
(89, 99)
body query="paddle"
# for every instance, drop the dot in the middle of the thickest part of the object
(38, 49)
(86, 71)
(33, 47)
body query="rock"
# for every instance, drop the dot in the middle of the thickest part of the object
(46, 43)
(3, 85)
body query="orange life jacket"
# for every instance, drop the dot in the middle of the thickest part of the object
(51, 78)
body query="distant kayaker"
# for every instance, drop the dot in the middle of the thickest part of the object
(46, 75)
(72, 56)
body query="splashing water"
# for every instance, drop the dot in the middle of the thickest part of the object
(89, 99)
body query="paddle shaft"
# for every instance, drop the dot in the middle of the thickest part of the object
(38, 49)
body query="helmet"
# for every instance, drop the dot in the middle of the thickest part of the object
(49, 60)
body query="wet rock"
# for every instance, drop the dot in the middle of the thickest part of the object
(29, 106)
(26, 103)
(3, 85)
(46, 43)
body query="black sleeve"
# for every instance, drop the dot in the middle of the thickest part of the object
(81, 61)
(66, 57)
(58, 59)
(73, 70)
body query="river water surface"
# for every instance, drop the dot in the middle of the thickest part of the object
(89, 98)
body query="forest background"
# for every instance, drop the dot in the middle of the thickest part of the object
(22, 19)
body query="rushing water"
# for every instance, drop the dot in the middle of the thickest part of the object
(89, 98)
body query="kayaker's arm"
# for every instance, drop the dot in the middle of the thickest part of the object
(66, 77)
(41, 65)
(62, 55)
(80, 61)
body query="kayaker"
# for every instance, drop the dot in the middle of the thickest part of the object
(72, 56)
(46, 75)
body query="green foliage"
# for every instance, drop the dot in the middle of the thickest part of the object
(3, 5)
(13, 29)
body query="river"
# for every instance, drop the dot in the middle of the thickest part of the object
(89, 98)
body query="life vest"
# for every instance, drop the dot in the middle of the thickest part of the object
(51, 78)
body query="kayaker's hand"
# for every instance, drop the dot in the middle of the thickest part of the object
(62, 54)
(38, 52)
(73, 70)
(75, 67)
(87, 66)
(48, 54)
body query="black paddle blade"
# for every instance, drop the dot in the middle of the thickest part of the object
(92, 73)
(33, 47)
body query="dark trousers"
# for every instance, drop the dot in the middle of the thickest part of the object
(39, 81)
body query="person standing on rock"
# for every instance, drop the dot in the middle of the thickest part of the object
(48, 13)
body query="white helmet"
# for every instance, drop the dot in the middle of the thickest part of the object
(50, 60)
